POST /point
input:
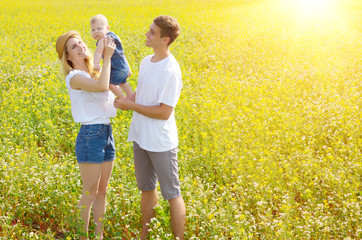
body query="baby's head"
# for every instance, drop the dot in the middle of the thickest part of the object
(99, 26)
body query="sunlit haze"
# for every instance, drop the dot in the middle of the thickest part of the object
(312, 7)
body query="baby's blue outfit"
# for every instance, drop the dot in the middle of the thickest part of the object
(119, 64)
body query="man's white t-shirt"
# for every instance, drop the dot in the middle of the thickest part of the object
(159, 82)
(90, 107)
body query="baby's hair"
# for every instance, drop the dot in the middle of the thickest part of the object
(99, 17)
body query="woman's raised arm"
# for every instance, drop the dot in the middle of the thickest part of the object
(101, 85)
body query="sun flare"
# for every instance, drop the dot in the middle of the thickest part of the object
(312, 7)
(314, 4)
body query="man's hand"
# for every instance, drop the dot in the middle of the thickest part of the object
(122, 103)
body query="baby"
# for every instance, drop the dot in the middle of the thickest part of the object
(120, 69)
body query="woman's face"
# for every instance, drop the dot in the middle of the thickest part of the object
(76, 50)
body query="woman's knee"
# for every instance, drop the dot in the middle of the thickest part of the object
(91, 193)
(102, 190)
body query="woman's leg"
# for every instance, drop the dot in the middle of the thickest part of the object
(90, 174)
(99, 205)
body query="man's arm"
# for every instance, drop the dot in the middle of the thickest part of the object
(162, 111)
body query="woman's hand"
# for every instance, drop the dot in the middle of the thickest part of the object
(97, 67)
(109, 46)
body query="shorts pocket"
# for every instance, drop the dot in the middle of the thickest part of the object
(94, 132)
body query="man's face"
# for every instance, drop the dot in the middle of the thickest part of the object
(153, 37)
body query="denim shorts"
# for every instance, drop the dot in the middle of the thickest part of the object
(151, 167)
(95, 144)
(118, 77)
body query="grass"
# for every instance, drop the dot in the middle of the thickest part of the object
(269, 120)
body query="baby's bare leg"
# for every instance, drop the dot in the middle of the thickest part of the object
(126, 88)
(116, 90)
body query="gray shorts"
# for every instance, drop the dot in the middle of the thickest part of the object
(153, 166)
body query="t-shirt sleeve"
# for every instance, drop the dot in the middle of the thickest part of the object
(171, 89)
(72, 74)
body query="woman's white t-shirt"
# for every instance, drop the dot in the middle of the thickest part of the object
(90, 107)
(159, 82)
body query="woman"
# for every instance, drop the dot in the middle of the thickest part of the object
(92, 106)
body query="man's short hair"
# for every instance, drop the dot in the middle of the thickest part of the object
(169, 27)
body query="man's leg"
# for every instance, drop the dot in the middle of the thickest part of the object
(147, 183)
(166, 166)
(178, 217)
(149, 199)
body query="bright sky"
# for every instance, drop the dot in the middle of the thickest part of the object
(312, 7)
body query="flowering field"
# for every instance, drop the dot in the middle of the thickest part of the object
(269, 119)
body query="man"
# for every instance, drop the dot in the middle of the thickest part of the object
(153, 129)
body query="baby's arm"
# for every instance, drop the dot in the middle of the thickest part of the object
(98, 54)
(130, 72)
